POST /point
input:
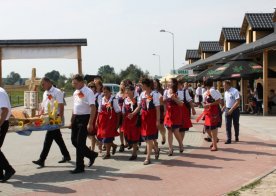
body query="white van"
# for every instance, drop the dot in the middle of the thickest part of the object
(115, 88)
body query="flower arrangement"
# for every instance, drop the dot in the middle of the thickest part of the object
(46, 121)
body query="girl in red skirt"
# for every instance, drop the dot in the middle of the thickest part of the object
(108, 121)
(132, 133)
(150, 117)
(173, 117)
(211, 101)
(121, 95)
(187, 104)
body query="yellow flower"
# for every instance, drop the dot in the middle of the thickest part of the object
(20, 123)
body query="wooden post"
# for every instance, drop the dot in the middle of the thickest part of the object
(1, 67)
(265, 82)
(242, 95)
(79, 60)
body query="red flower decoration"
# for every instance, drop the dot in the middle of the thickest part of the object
(108, 105)
(80, 95)
(149, 98)
(50, 97)
(133, 101)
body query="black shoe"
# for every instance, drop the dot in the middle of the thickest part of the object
(207, 139)
(133, 157)
(114, 149)
(170, 153)
(92, 159)
(129, 147)
(8, 175)
(228, 142)
(77, 171)
(237, 139)
(65, 159)
(39, 162)
(122, 148)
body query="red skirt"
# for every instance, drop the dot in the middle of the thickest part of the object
(212, 116)
(186, 120)
(131, 132)
(148, 123)
(107, 124)
(173, 116)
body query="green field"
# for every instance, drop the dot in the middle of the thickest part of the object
(17, 97)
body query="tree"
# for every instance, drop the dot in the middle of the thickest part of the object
(61, 81)
(53, 75)
(133, 72)
(12, 78)
(108, 74)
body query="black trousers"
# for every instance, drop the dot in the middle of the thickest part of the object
(49, 138)
(78, 138)
(235, 117)
(4, 164)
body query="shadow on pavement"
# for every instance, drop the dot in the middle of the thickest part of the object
(180, 163)
(45, 181)
(210, 157)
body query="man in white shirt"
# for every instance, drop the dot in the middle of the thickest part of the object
(198, 98)
(82, 122)
(232, 112)
(6, 170)
(52, 94)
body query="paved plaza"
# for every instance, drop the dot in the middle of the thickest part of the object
(196, 172)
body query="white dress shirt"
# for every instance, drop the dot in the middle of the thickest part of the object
(230, 97)
(83, 99)
(49, 96)
(5, 102)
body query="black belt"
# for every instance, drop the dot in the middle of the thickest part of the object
(81, 115)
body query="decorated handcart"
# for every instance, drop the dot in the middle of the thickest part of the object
(24, 122)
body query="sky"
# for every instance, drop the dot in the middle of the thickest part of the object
(120, 32)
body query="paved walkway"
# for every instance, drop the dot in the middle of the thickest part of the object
(196, 172)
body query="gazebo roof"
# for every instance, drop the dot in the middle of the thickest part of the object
(192, 54)
(257, 21)
(209, 46)
(231, 34)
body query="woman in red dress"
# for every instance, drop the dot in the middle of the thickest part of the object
(211, 101)
(108, 121)
(150, 117)
(132, 132)
(121, 95)
(173, 117)
(187, 104)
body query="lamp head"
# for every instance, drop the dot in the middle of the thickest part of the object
(162, 30)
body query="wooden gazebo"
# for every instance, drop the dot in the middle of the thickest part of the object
(41, 48)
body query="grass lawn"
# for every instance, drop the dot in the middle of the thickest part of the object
(17, 97)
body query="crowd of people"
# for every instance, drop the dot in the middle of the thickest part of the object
(136, 114)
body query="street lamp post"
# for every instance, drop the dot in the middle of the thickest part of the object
(162, 31)
(159, 63)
